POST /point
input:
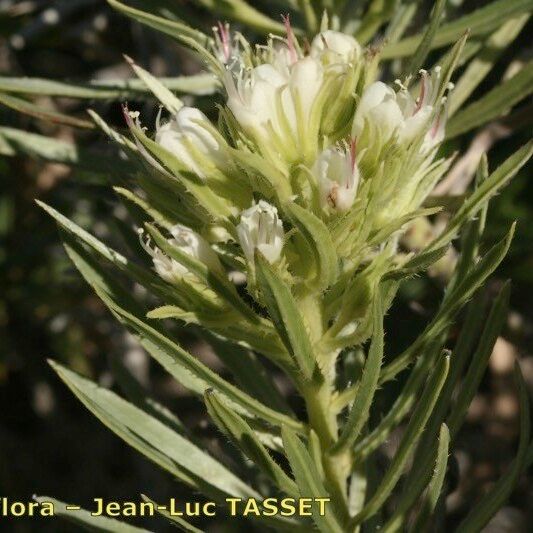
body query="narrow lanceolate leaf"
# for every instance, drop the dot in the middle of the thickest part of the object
(308, 480)
(177, 521)
(479, 22)
(171, 102)
(243, 436)
(15, 142)
(403, 403)
(319, 240)
(141, 275)
(417, 264)
(492, 105)
(491, 331)
(484, 61)
(286, 316)
(185, 368)
(48, 115)
(175, 28)
(194, 39)
(216, 281)
(242, 11)
(407, 446)
(198, 84)
(155, 440)
(367, 388)
(498, 495)
(417, 61)
(138, 396)
(85, 520)
(490, 186)
(451, 305)
(249, 373)
(435, 485)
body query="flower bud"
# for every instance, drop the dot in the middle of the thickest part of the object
(189, 242)
(305, 81)
(335, 47)
(184, 135)
(338, 177)
(261, 229)
(398, 113)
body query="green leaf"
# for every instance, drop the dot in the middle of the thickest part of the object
(286, 316)
(85, 520)
(368, 385)
(418, 58)
(479, 22)
(493, 104)
(417, 264)
(180, 31)
(407, 445)
(484, 61)
(377, 13)
(308, 480)
(164, 95)
(243, 436)
(318, 238)
(491, 186)
(426, 452)
(249, 373)
(451, 305)
(135, 272)
(185, 368)
(402, 405)
(435, 485)
(15, 142)
(179, 522)
(480, 359)
(139, 397)
(33, 110)
(177, 29)
(377, 237)
(489, 504)
(155, 440)
(246, 14)
(198, 84)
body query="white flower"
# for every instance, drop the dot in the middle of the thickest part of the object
(253, 99)
(184, 135)
(261, 229)
(335, 47)
(189, 242)
(338, 177)
(399, 113)
(305, 81)
(268, 100)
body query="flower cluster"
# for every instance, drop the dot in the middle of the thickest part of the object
(308, 141)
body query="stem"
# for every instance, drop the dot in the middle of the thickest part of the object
(318, 396)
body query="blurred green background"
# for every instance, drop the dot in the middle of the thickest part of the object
(49, 444)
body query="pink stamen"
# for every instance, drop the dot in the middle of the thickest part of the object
(223, 30)
(353, 153)
(422, 95)
(435, 128)
(290, 38)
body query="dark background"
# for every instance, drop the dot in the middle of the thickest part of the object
(49, 444)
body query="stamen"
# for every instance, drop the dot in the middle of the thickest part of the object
(223, 30)
(422, 95)
(290, 38)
